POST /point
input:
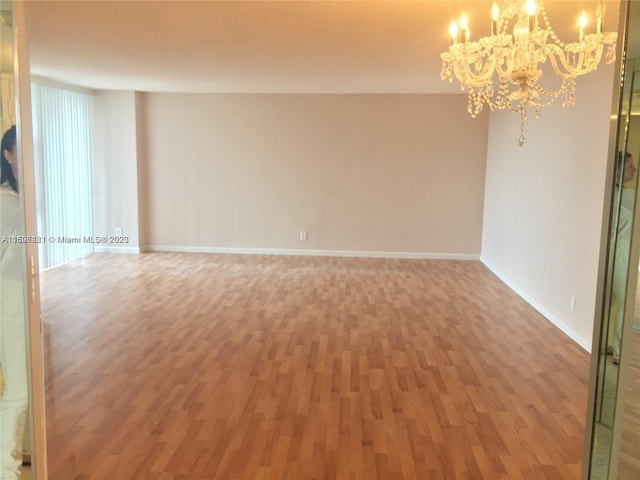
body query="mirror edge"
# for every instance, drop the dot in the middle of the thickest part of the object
(35, 330)
(616, 102)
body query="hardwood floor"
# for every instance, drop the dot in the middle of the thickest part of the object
(221, 367)
(629, 466)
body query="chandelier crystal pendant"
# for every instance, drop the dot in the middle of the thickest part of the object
(502, 70)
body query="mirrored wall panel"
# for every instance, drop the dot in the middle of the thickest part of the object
(615, 445)
(15, 445)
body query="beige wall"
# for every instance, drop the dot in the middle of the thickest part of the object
(544, 203)
(115, 166)
(375, 173)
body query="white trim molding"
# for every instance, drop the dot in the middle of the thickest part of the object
(566, 329)
(102, 249)
(312, 253)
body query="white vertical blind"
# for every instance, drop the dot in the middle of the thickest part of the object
(62, 147)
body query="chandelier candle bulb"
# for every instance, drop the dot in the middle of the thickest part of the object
(464, 28)
(582, 23)
(600, 17)
(495, 16)
(531, 12)
(599, 24)
(453, 31)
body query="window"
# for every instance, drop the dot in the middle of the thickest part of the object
(62, 157)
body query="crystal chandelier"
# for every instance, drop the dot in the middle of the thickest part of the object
(502, 70)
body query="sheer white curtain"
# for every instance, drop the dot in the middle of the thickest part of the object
(62, 154)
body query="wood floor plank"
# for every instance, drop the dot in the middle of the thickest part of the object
(629, 463)
(220, 367)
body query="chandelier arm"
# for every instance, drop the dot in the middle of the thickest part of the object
(465, 74)
(587, 59)
(506, 71)
(556, 68)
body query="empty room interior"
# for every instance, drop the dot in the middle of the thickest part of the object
(268, 240)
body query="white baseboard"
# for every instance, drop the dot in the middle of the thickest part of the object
(102, 249)
(314, 253)
(570, 332)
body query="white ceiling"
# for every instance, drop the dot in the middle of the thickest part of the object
(259, 46)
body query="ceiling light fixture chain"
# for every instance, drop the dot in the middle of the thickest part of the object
(502, 71)
(547, 25)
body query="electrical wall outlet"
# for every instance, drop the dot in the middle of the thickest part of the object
(118, 232)
(572, 303)
(303, 235)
